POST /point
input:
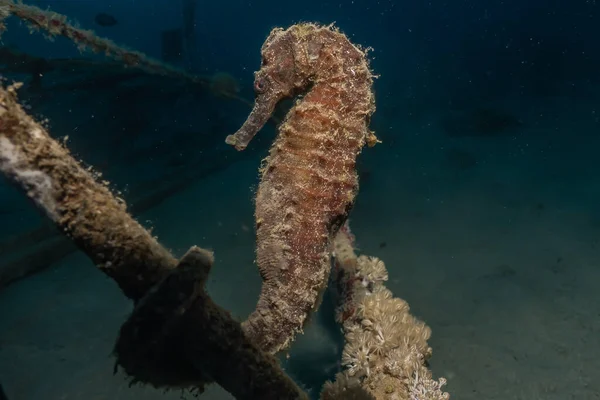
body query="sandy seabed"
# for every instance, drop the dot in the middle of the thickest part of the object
(493, 241)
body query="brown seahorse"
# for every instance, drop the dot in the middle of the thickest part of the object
(308, 181)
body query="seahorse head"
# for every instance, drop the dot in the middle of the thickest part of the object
(303, 55)
(277, 78)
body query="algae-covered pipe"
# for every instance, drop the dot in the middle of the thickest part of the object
(99, 224)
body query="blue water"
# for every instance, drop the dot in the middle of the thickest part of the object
(482, 198)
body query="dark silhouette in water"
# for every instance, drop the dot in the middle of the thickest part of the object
(189, 17)
(106, 20)
(172, 45)
(188, 35)
(2, 394)
(482, 122)
(460, 159)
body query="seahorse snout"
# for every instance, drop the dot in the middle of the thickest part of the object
(263, 107)
(277, 78)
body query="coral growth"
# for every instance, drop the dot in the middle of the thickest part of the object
(386, 347)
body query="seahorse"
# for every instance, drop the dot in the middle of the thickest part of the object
(308, 181)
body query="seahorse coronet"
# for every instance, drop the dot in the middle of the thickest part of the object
(308, 181)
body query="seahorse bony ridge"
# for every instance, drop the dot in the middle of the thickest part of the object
(308, 181)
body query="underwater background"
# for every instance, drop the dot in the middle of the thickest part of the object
(482, 199)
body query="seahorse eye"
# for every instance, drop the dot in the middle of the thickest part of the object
(260, 85)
